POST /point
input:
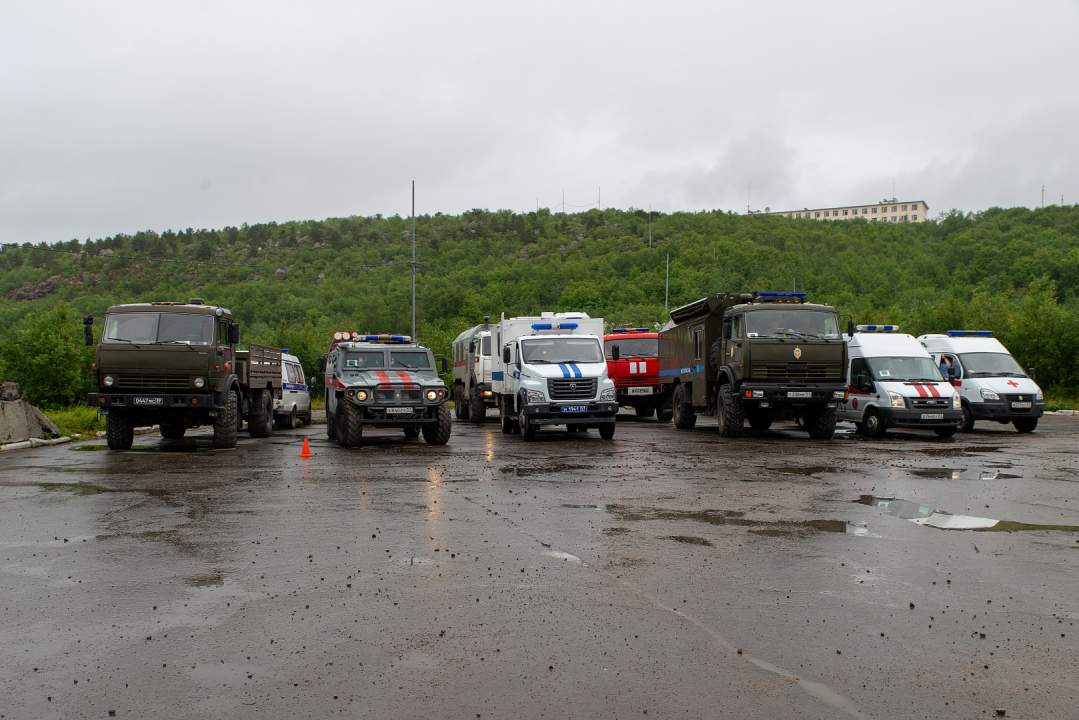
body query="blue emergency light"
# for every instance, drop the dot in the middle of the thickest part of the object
(969, 333)
(554, 326)
(781, 294)
(383, 338)
(626, 330)
(284, 351)
(877, 328)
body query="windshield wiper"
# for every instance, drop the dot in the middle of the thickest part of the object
(175, 342)
(129, 342)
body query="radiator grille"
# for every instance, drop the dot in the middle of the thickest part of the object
(797, 371)
(934, 403)
(389, 396)
(154, 382)
(571, 388)
(1025, 397)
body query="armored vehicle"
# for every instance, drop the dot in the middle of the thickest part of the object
(472, 373)
(753, 356)
(385, 381)
(176, 365)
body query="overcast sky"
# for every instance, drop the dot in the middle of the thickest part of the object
(124, 116)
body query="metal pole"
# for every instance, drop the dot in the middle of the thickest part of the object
(667, 289)
(413, 261)
(649, 227)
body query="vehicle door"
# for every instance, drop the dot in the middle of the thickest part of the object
(289, 387)
(861, 387)
(226, 360)
(329, 383)
(303, 400)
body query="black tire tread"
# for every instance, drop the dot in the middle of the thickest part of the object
(684, 416)
(477, 413)
(119, 432)
(730, 413)
(226, 421)
(821, 424)
(439, 433)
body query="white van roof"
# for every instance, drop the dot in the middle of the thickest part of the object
(885, 345)
(961, 344)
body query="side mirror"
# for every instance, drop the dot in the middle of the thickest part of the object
(322, 364)
(865, 384)
(614, 353)
(88, 329)
(1031, 374)
(727, 329)
(311, 382)
(444, 364)
(850, 327)
(505, 354)
(471, 347)
(234, 333)
(952, 375)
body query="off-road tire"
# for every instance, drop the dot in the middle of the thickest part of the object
(305, 419)
(872, 424)
(684, 417)
(412, 431)
(287, 422)
(730, 415)
(477, 412)
(171, 431)
(945, 432)
(462, 402)
(645, 411)
(760, 419)
(331, 425)
(506, 421)
(457, 402)
(968, 419)
(439, 433)
(260, 419)
(663, 408)
(226, 421)
(606, 431)
(821, 423)
(349, 428)
(1025, 425)
(714, 354)
(859, 428)
(119, 432)
(527, 429)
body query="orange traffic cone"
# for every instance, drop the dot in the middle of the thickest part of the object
(306, 452)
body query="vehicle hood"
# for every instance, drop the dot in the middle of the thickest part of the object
(389, 377)
(111, 358)
(566, 370)
(1005, 385)
(919, 389)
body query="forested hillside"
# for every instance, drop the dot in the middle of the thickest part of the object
(1012, 271)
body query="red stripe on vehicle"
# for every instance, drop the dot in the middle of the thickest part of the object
(382, 377)
(933, 389)
(403, 376)
(855, 391)
(333, 382)
(921, 391)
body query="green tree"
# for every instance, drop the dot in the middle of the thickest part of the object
(46, 354)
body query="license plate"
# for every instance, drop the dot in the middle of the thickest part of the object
(799, 394)
(399, 411)
(574, 408)
(149, 401)
(932, 416)
(1021, 405)
(640, 391)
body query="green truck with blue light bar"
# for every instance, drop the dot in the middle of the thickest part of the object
(176, 365)
(759, 357)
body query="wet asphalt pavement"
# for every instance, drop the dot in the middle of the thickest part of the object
(665, 573)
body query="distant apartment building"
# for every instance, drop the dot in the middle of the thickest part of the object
(884, 211)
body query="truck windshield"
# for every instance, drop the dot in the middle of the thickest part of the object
(633, 347)
(159, 328)
(360, 361)
(410, 360)
(485, 346)
(792, 323)
(904, 369)
(560, 350)
(990, 365)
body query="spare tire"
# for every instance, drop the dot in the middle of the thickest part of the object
(715, 355)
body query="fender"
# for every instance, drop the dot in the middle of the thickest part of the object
(226, 384)
(726, 373)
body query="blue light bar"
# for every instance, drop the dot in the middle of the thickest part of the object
(969, 333)
(877, 328)
(541, 326)
(382, 338)
(554, 326)
(567, 326)
(284, 351)
(779, 294)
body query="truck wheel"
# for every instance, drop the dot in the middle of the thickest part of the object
(457, 402)
(684, 417)
(663, 409)
(730, 414)
(412, 431)
(349, 429)
(968, 419)
(715, 354)
(260, 419)
(225, 422)
(945, 432)
(1025, 425)
(507, 422)
(760, 419)
(439, 433)
(606, 431)
(287, 422)
(462, 402)
(119, 432)
(821, 424)
(645, 411)
(172, 431)
(872, 425)
(331, 426)
(528, 430)
(477, 413)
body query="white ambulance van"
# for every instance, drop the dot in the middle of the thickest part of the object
(894, 383)
(293, 401)
(990, 382)
(472, 359)
(550, 370)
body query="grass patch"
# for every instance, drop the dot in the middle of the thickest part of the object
(1059, 399)
(77, 419)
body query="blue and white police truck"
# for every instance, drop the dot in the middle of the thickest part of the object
(550, 370)
(894, 382)
(991, 384)
(293, 400)
(472, 359)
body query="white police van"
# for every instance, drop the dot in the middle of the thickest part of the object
(990, 382)
(894, 382)
(293, 401)
(472, 360)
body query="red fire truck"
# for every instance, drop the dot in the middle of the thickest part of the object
(636, 371)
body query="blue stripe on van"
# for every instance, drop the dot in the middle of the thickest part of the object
(681, 371)
(497, 375)
(564, 369)
(576, 370)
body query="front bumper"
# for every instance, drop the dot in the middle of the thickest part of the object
(913, 417)
(381, 415)
(779, 394)
(989, 410)
(626, 396)
(595, 413)
(151, 401)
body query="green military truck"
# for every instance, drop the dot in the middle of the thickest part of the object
(176, 365)
(754, 356)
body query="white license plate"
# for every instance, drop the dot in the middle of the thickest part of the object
(799, 394)
(399, 411)
(149, 401)
(574, 408)
(640, 391)
(932, 416)
(1021, 405)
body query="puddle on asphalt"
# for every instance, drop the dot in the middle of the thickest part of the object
(964, 474)
(545, 470)
(771, 528)
(558, 554)
(207, 581)
(960, 450)
(81, 488)
(927, 515)
(615, 531)
(811, 470)
(689, 540)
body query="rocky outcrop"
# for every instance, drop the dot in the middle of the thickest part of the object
(19, 421)
(9, 391)
(36, 291)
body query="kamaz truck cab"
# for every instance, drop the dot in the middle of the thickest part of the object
(636, 371)
(385, 381)
(991, 384)
(756, 356)
(472, 373)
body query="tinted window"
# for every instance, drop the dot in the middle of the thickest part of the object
(633, 347)
(485, 346)
(409, 360)
(365, 360)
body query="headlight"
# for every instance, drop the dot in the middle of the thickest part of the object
(607, 394)
(1039, 397)
(840, 394)
(956, 404)
(109, 381)
(200, 382)
(535, 396)
(361, 394)
(432, 395)
(897, 400)
(989, 395)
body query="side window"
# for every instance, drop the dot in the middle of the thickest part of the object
(222, 333)
(857, 368)
(293, 373)
(698, 343)
(736, 331)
